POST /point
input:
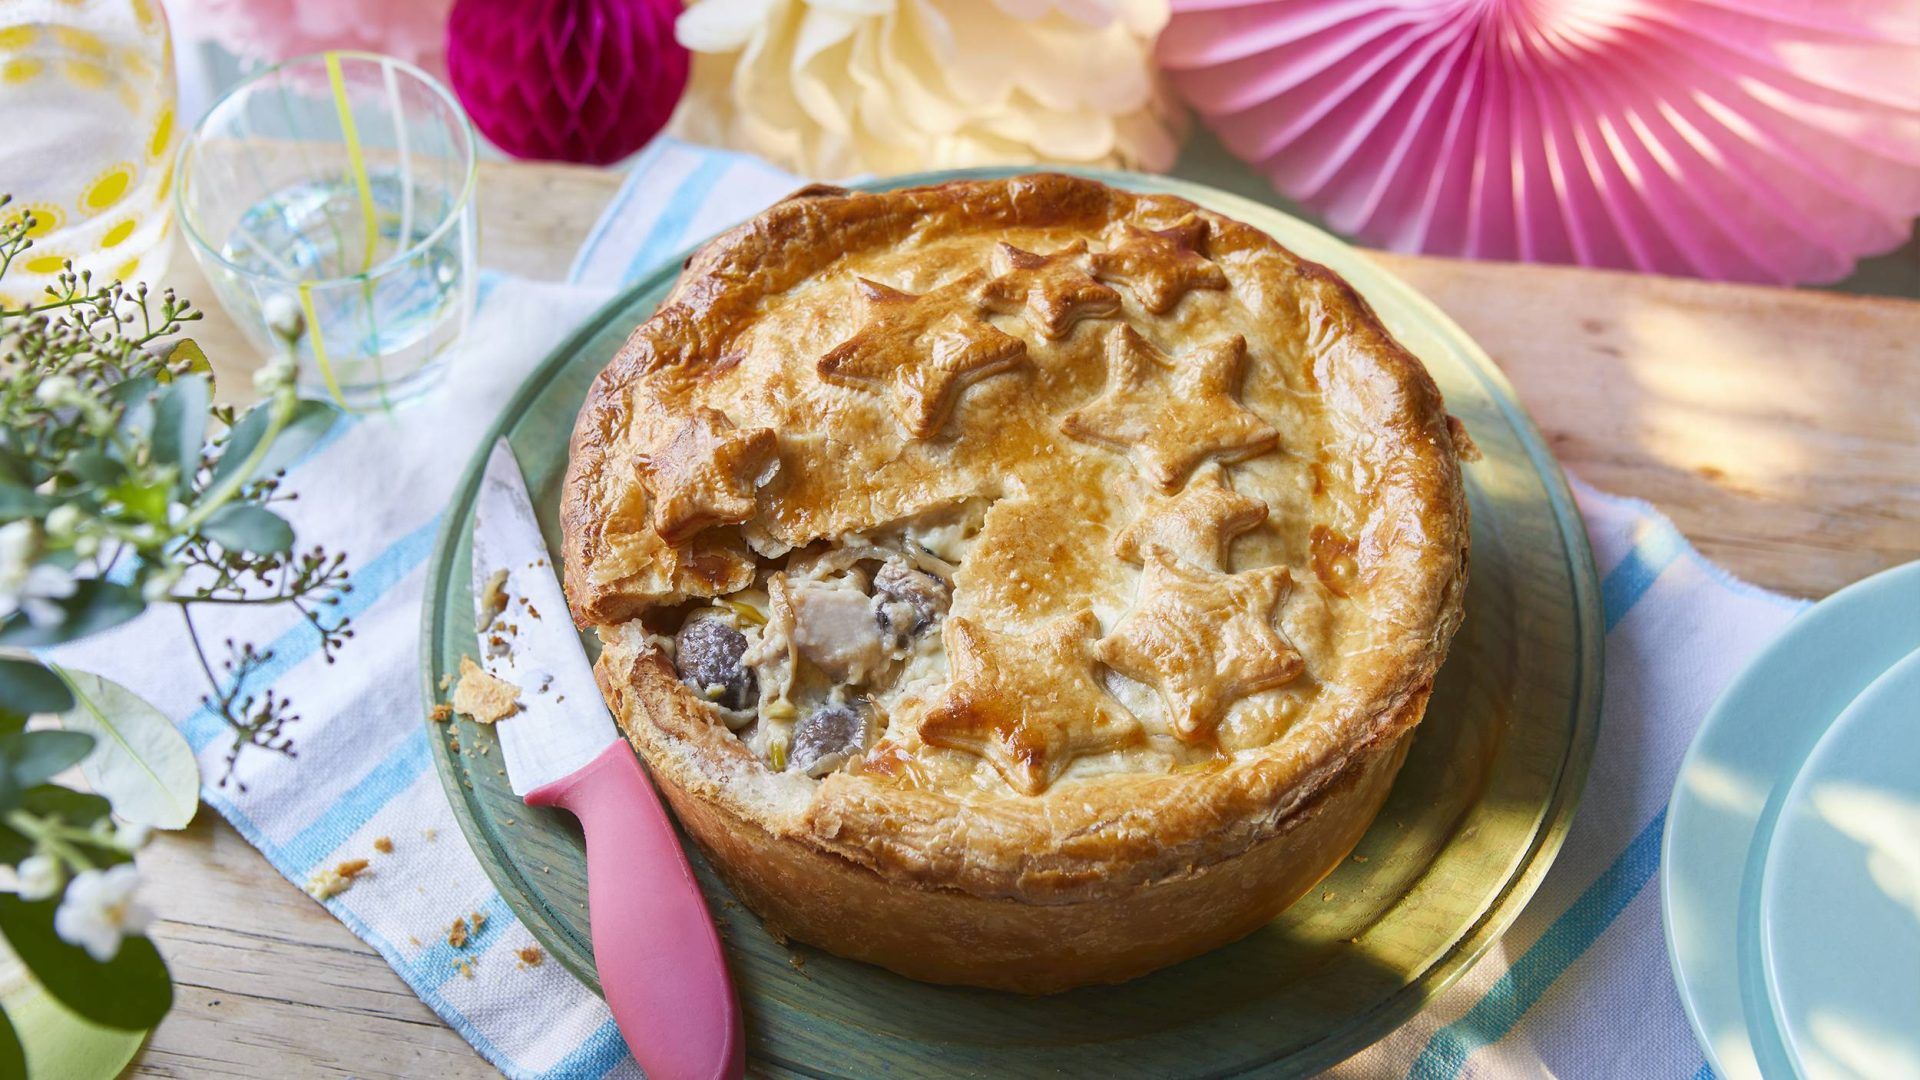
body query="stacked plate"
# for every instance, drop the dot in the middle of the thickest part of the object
(1790, 873)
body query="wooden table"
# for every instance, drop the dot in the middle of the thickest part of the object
(1779, 429)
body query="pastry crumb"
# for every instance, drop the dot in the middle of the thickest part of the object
(329, 883)
(383, 845)
(493, 600)
(430, 834)
(482, 697)
(446, 680)
(457, 934)
(465, 966)
(477, 920)
(441, 712)
(531, 956)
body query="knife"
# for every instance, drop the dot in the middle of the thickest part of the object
(654, 942)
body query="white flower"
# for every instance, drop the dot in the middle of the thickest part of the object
(25, 586)
(100, 909)
(834, 87)
(40, 877)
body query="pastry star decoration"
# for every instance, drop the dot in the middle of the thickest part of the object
(1052, 290)
(1160, 266)
(1169, 415)
(923, 350)
(1027, 703)
(1203, 639)
(706, 474)
(1195, 525)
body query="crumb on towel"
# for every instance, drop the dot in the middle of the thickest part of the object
(329, 883)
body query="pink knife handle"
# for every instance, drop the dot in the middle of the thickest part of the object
(654, 942)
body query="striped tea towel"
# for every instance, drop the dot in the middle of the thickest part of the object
(1578, 988)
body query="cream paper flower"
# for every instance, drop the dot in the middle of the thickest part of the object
(836, 87)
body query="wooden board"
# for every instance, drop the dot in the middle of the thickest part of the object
(1470, 828)
(1811, 481)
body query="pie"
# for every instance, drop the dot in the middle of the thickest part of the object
(1020, 583)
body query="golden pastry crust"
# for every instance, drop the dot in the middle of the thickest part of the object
(1218, 502)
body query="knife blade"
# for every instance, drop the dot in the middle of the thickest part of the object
(655, 945)
(531, 643)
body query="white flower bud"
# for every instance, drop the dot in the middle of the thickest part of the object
(86, 545)
(130, 835)
(273, 376)
(64, 521)
(55, 389)
(40, 877)
(284, 318)
(160, 584)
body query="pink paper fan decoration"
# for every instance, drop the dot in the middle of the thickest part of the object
(587, 81)
(1752, 140)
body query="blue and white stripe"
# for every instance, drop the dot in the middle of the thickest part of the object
(1578, 987)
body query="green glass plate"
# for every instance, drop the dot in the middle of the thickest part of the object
(1474, 820)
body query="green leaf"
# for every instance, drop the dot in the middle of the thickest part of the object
(180, 424)
(130, 992)
(186, 358)
(17, 502)
(13, 1059)
(250, 528)
(80, 808)
(60, 1043)
(33, 757)
(146, 501)
(309, 421)
(27, 686)
(95, 605)
(96, 468)
(13, 846)
(140, 761)
(136, 394)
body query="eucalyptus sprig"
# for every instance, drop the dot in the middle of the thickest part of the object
(124, 488)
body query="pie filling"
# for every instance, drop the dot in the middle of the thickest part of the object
(807, 664)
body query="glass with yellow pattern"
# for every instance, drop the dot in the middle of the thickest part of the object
(341, 186)
(87, 96)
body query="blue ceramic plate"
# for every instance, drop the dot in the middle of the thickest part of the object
(1840, 896)
(1731, 787)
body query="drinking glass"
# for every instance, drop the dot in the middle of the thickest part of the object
(339, 185)
(86, 96)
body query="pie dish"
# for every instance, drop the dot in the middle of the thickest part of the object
(1019, 583)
